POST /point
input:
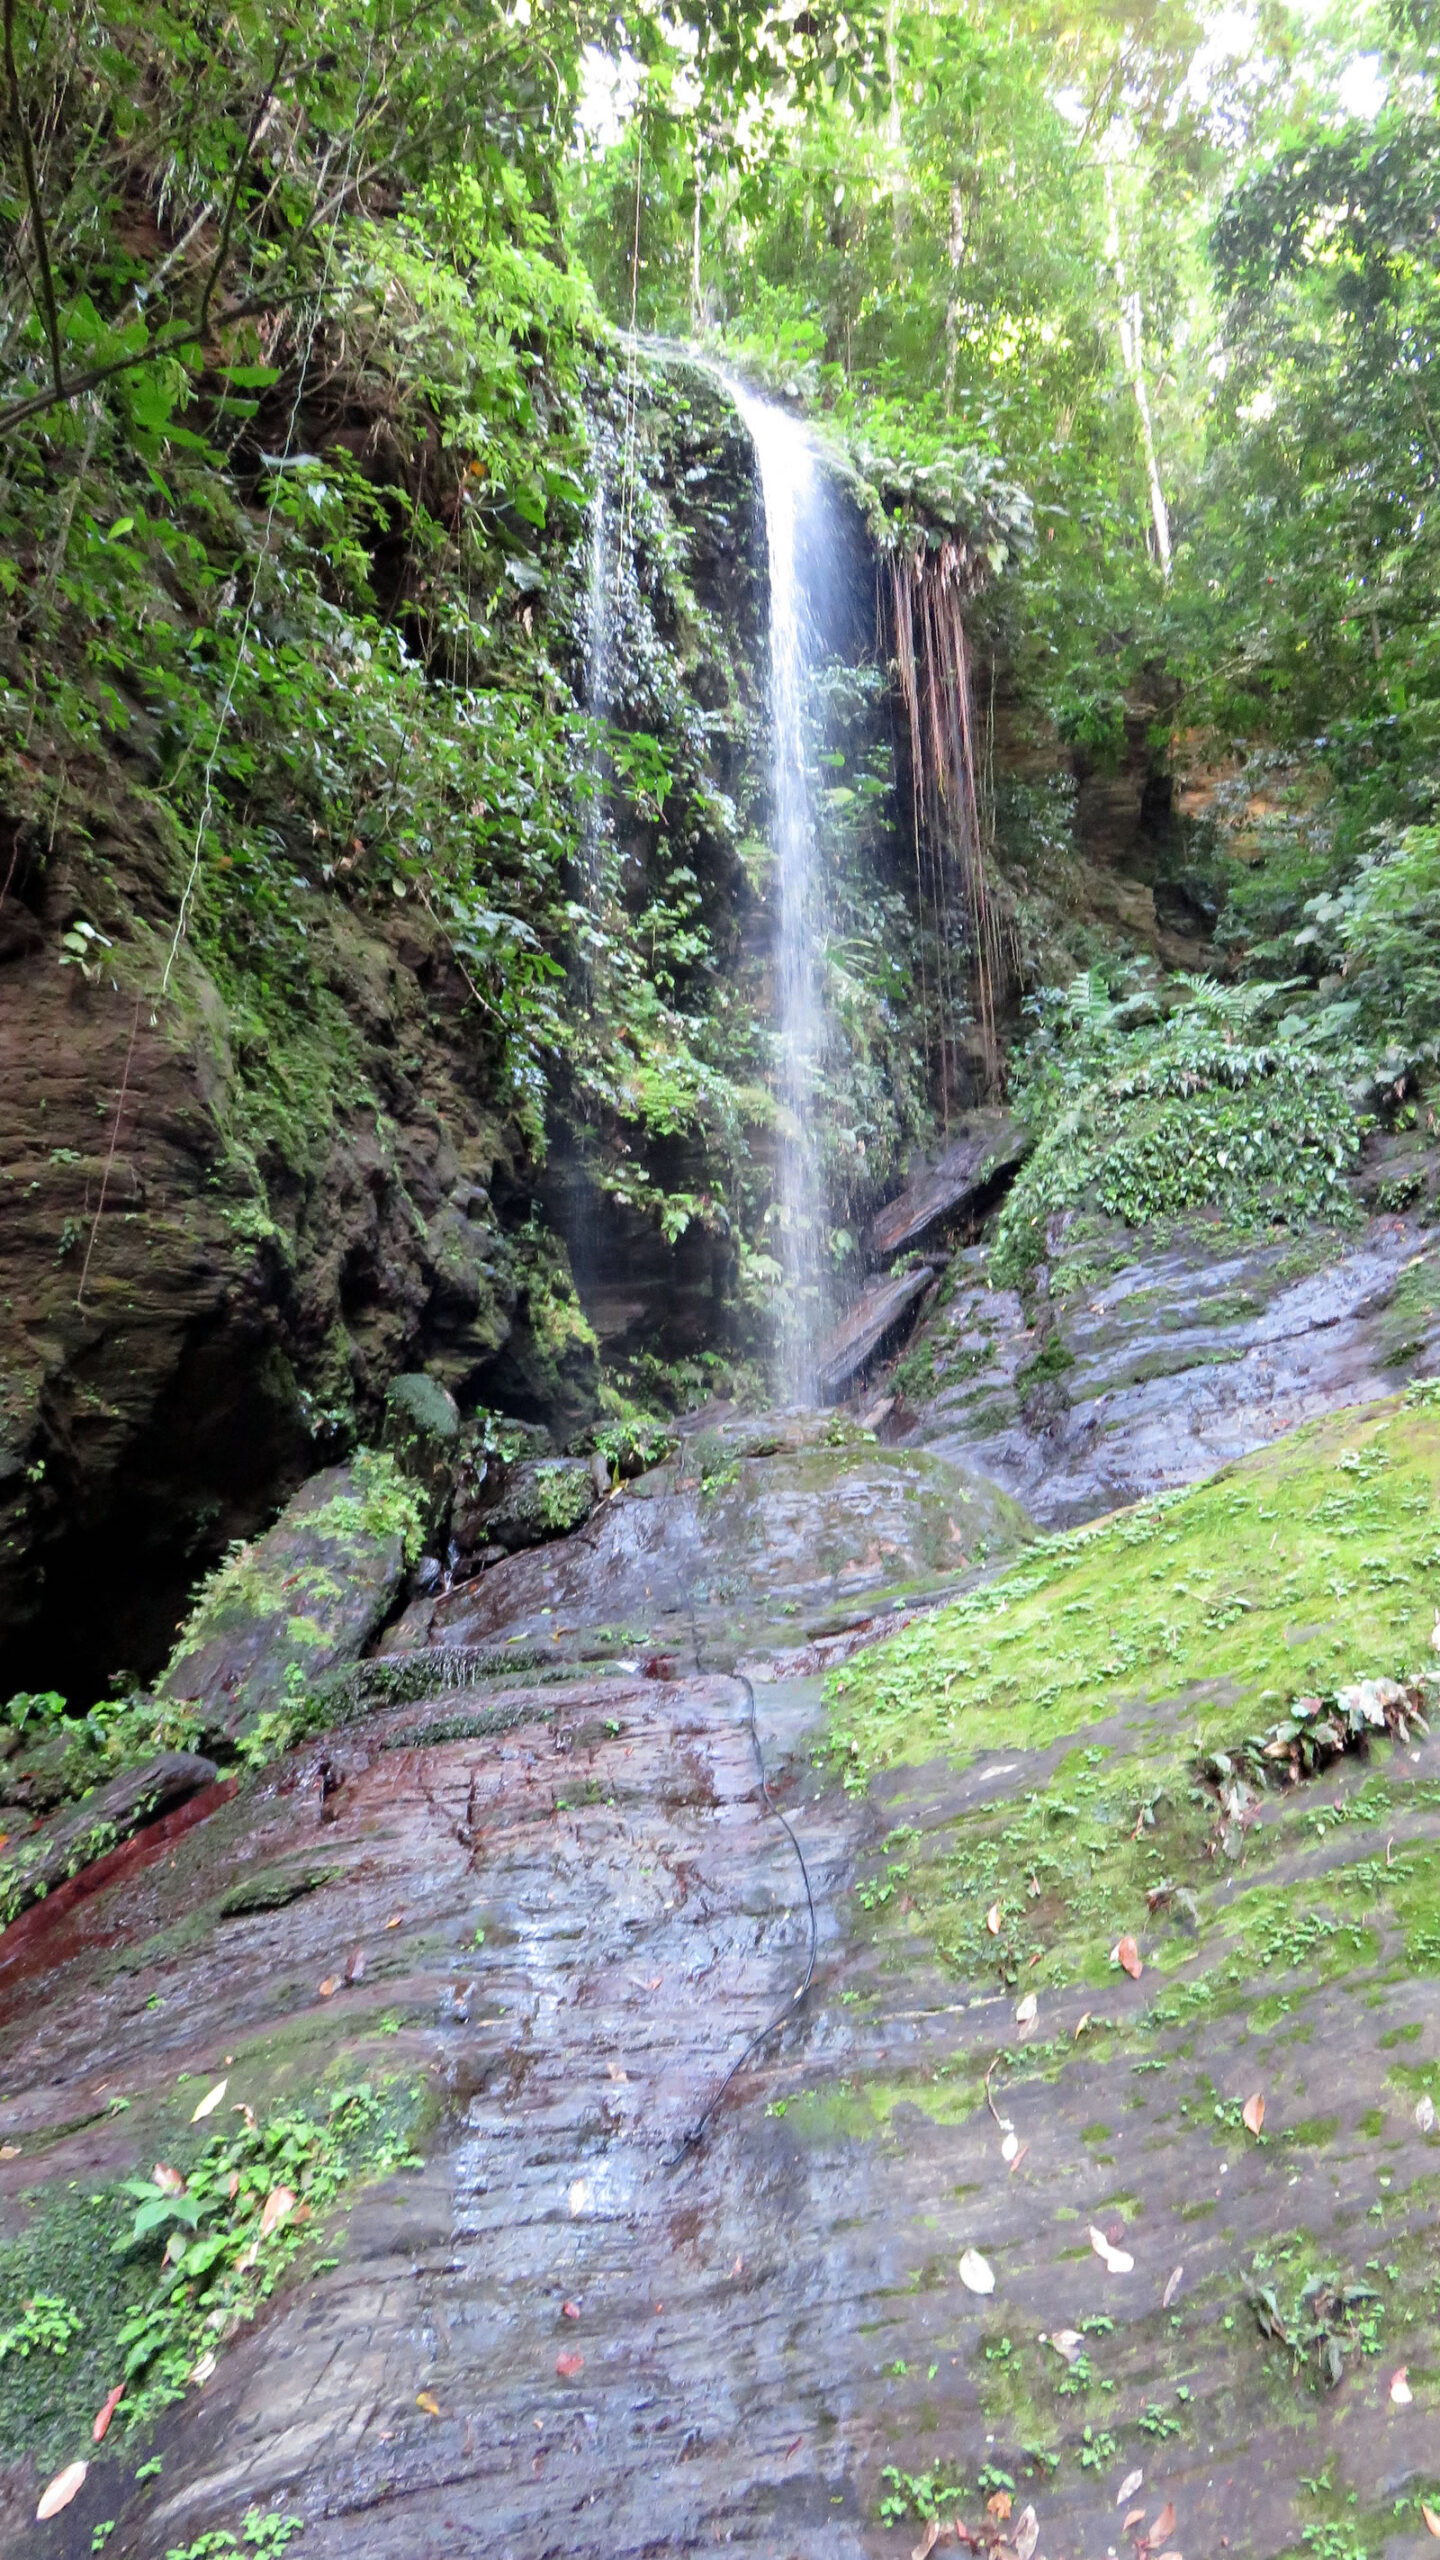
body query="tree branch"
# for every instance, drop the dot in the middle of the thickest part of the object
(32, 190)
(257, 125)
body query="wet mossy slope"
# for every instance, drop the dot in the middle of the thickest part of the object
(1098, 1926)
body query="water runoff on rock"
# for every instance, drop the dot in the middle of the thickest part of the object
(801, 539)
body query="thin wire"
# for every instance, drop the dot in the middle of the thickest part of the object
(698, 2130)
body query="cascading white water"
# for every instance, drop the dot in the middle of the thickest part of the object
(796, 507)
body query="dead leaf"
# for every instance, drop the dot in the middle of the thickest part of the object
(1027, 2534)
(615, 2070)
(1118, 2261)
(999, 2506)
(1019, 2156)
(427, 2401)
(992, 1919)
(168, 2180)
(106, 2412)
(329, 1986)
(355, 1969)
(976, 2273)
(927, 2541)
(1162, 2528)
(1400, 2391)
(279, 2203)
(570, 2310)
(1432, 2521)
(568, 2366)
(1127, 1954)
(1067, 2343)
(1026, 2011)
(1172, 2287)
(395, 1919)
(1424, 2116)
(1252, 2114)
(1136, 2516)
(1132, 2481)
(210, 2102)
(202, 2371)
(1010, 2146)
(67, 2484)
(1081, 2026)
(9, 2150)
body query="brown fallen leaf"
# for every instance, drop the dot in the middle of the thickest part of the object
(1127, 1955)
(1172, 2287)
(568, 2366)
(1025, 2011)
(329, 1986)
(168, 2180)
(1252, 2114)
(999, 2506)
(279, 2203)
(1132, 2481)
(1081, 2024)
(395, 1919)
(1432, 2521)
(427, 2401)
(67, 2484)
(106, 2412)
(1018, 2157)
(9, 2150)
(927, 2541)
(1162, 2528)
(1136, 2516)
(992, 1919)
(569, 2310)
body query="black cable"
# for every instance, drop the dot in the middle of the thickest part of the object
(697, 2131)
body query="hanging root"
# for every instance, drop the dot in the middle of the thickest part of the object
(928, 593)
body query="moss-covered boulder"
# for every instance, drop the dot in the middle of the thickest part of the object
(543, 1498)
(300, 1601)
(422, 1433)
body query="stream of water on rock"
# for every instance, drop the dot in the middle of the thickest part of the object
(799, 544)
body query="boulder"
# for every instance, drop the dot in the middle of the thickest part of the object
(878, 1312)
(989, 1146)
(304, 1599)
(110, 1815)
(422, 1432)
(544, 1498)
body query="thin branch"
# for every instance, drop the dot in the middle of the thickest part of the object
(257, 125)
(32, 190)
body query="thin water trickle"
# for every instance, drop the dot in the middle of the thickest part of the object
(598, 647)
(799, 541)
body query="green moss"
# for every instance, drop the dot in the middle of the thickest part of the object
(1311, 1562)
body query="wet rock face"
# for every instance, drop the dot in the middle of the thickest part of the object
(1140, 1363)
(756, 1533)
(987, 2215)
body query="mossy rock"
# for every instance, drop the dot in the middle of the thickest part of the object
(544, 1498)
(422, 1433)
(300, 1601)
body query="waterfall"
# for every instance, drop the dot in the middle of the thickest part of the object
(796, 532)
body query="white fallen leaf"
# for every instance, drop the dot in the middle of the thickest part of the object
(927, 2541)
(1026, 2534)
(202, 2371)
(1067, 2343)
(976, 2273)
(1025, 2013)
(1172, 2287)
(1400, 2391)
(1118, 2261)
(210, 2102)
(579, 2196)
(67, 2484)
(992, 1919)
(1132, 2481)
(1425, 2113)
(1010, 2146)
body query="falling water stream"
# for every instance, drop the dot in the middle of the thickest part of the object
(799, 542)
